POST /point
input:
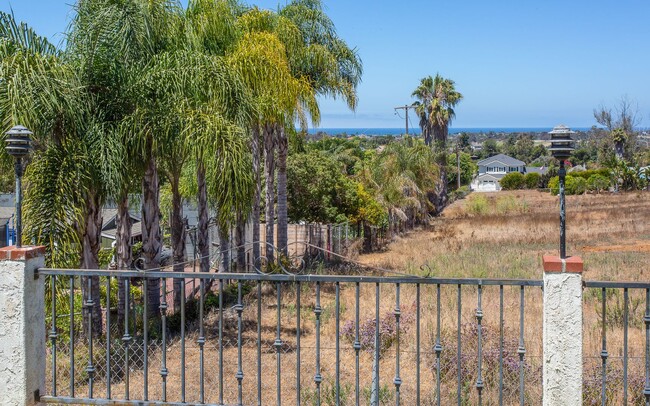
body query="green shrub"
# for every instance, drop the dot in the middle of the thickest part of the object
(477, 205)
(532, 180)
(604, 172)
(506, 204)
(459, 193)
(597, 183)
(572, 185)
(577, 186)
(513, 180)
(105, 257)
(554, 185)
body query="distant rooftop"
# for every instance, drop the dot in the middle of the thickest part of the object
(502, 158)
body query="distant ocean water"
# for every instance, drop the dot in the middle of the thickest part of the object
(416, 131)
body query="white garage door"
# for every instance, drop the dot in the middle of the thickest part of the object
(487, 186)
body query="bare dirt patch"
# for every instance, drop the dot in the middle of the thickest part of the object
(638, 246)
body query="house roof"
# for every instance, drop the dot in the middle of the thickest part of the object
(502, 158)
(5, 214)
(136, 230)
(109, 225)
(496, 176)
(537, 169)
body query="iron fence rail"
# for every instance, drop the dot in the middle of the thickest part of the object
(383, 335)
(641, 289)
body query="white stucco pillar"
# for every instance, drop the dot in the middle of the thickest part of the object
(562, 336)
(22, 326)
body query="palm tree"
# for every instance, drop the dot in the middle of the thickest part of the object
(42, 88)
(424, 93)
(213, 25)
(280, 97)
(438, 97)
(111, 43)
(330, 67)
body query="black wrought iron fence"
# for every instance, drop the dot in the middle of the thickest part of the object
(617, 343)
(255, 338)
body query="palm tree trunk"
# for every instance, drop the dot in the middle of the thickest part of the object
(283, 150)
(90, 260)
(426, 133)
(151, 238)
(269, 167)
(224, 246)
(124, 253)
(255, 147)
(240, 241)
(440, 135)
(177, 238)
(203, 239)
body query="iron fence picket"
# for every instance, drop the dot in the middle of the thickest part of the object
(619, 383)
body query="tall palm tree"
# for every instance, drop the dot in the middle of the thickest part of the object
(424, 93)
(280, 97)
(330, 67)
(446, 97)
(325, 65)
(213, 25)
(437, 99)
(42, 88)
(111, 43)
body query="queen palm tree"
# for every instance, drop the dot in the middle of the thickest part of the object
(330, 67)
(214, 27)
(281, 98)
(111, 43)
(42, 87)
(316, 56)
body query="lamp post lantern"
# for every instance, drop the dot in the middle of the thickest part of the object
(561, 148)
(18, 145)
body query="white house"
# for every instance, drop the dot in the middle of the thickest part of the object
(492, 169)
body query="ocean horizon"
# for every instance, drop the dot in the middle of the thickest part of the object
(416, 131)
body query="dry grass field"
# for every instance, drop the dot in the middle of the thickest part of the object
(507, 238)
(499, 235)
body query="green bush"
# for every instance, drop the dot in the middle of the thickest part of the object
(513, 180)
(459, 193)
(506, 204)
(604, 172)
(596, 183)
(477, 205)
(578, 186)
(572, 185)
(554, 185)
(532, 180)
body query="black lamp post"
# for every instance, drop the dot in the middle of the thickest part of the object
(18, 146)
(561, 148)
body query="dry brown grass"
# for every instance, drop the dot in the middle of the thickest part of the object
(610, 232)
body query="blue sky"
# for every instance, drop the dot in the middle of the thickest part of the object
(518, 63)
